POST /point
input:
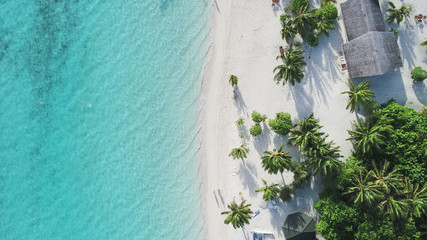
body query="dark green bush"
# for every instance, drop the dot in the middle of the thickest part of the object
(255, 130)
(329, 12)
(418, 74)
(257, 117)
(281, 124)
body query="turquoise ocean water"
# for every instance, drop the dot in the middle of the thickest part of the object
(98, 118)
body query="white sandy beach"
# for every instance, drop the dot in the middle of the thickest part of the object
(246, 43)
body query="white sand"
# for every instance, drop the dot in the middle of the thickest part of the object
(246, 43)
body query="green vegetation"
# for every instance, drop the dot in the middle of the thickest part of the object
(240, 152)
(398, 13)
(326, 2)
(423, 43)
(418, 74)
(381, 190)
(233, 80)
(270, 191)
(281, 124)
(291, 71)
(276, 161)
(257, 117)
(359, 95)
(255, 130)
(308, 23)
(238, 215)
(240, 121)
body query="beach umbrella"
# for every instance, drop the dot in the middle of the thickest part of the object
(299, 226)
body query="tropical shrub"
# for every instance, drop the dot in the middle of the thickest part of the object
(255, 130)
(418, 74)
(240, 121)
(281, 124)
(337, 220)
(257, 117)
(329, 12)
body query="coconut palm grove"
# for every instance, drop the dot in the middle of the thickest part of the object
(380, 190)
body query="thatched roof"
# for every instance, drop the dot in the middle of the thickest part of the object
(372, 54)
(361, 17)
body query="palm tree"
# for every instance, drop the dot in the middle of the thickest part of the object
(233, 80)
(324, 158)
(288, 32)
(239, 152)
(323, 26)
(239, 215)
(305, 132)
(304, 21)
(276, 161)
(423, 43)
(326, 2)
(359, 95)
(417, 198)
(398, 13)
(363, 191)
(367, 137)
(394, 207)
(270, 191)
(388, 181)
(291, 70)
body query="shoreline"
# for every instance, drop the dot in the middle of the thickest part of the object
(245, 41)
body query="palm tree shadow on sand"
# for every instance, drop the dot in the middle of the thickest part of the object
(238, 101)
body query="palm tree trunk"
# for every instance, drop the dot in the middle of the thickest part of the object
(283, 178)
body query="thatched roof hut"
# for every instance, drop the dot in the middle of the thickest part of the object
(361, 17)
(372, 54)
(371, 50)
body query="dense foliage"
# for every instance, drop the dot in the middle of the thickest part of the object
(255, 130)
(381, 191)
(308, 23)
(281, 124)
(257, 117)
(418, 74)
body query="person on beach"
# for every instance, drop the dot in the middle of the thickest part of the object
(282, 51)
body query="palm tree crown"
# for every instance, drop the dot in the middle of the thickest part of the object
(270, 191)
(276, 161)
(291, 71)
(239, 215)
(368, 137)
(359, 95)
(398, 13)
(240, 152)
(233, 80)
(305, 132)
(363, 191)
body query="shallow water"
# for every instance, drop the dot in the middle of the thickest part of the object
(98, 116)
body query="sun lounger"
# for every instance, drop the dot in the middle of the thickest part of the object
(255, 213)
